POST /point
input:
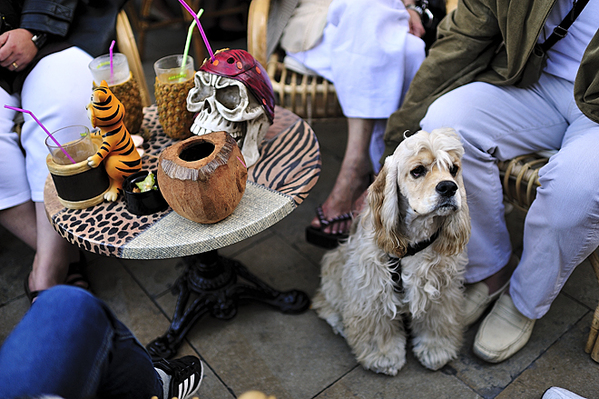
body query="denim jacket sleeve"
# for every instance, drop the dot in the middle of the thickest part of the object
(49, 16)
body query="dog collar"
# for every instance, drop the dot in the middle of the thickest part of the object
(419, 246)
(412, 250)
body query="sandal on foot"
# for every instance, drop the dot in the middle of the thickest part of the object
(31, 295)
(76, 275)
(317, 236)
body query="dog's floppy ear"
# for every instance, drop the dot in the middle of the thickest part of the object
(383, 200)
(455, 232)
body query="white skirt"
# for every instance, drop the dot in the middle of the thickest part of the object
(368, 54)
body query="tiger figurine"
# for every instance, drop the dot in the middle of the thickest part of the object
(118, 151)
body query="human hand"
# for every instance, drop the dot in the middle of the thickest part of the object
(16, 49)
(415, 24)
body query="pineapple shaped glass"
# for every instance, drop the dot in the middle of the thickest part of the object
(122, 84)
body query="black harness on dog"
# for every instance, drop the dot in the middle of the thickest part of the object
(412, 250)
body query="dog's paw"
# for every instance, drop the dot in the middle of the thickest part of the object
(389, 364)
(386, 360)
(434, 357)
(335, 322)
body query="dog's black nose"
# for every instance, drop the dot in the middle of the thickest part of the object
(446, 188)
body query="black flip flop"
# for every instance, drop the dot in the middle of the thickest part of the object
(31, 295)
(317, 236)
(75, 277)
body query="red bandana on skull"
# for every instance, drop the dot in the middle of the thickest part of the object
(241, 66)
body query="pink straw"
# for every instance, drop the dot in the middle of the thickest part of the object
(111, 65)
(43, 127)
(193, 14)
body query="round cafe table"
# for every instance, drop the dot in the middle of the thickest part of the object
(288, 168)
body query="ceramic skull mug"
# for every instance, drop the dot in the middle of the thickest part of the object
(233, 93)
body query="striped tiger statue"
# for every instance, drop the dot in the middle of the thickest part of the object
(118, 151)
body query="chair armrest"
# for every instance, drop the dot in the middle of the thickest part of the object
(256, 34)
(127, 45)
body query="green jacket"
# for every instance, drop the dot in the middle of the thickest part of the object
(489, 41)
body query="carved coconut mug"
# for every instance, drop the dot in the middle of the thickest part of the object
(203, 178)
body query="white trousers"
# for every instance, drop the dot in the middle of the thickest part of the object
(368, 54)
(562, 226)
(56, 91)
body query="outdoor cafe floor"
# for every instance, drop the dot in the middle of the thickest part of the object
(299, 356)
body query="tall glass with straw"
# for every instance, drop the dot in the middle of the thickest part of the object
(114, 69)
(77, 185)
(174, 78)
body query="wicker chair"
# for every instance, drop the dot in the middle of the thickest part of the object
(520, 178)
(127, 45)
(142, 21)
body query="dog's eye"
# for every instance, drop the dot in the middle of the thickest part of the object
(454, 170)
(418, 171)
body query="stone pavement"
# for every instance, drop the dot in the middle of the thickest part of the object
(299, 356)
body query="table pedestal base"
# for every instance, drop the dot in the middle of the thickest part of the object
(213, 279)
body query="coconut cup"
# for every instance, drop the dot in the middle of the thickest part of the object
(203, 177)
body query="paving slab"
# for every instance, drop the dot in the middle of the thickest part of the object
(413, 381)
(10, 315)
(155, 276)
(16, 259)
(565, 364)
(115, 286)
(487, 379)
(295, 356)
(582, 285)
(291, 356)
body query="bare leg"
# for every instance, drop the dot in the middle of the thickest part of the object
(352, 179)
(53, 255)
(29, 223)
(20, 221)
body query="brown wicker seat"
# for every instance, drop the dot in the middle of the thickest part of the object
(520, 178)
(309, 96)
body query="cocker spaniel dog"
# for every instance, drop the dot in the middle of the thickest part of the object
(404, 260)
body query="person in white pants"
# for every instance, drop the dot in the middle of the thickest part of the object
(57, 97)
(45, 49)
(561, 228)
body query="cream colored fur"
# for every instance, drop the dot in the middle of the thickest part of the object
(357, 296)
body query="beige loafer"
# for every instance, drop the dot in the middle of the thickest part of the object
(503, 332)
(477, 300)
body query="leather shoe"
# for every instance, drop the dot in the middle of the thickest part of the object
(503, 332)
(560, 393)
(477, 300)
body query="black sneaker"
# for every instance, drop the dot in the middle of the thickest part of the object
(186, 376)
